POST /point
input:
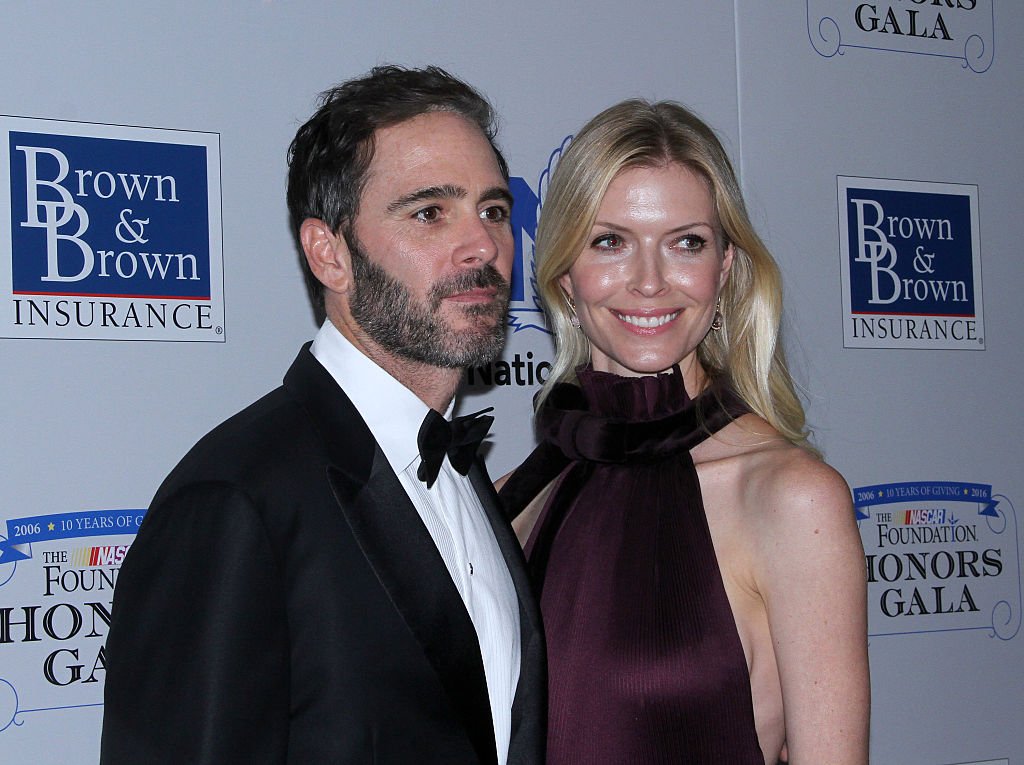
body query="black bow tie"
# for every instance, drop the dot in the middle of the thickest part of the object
(459, 439)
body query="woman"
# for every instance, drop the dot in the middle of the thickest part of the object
(699, 568)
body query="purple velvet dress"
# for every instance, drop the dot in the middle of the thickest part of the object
(644, 659)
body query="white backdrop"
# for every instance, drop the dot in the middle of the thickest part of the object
(95, 424)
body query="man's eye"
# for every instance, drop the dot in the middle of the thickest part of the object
(495, 214)
(428, 214)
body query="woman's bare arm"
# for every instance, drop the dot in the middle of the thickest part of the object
(810, 573)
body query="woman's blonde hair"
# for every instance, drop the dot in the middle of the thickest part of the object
(746, 352)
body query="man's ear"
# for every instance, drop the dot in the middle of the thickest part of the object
(327, 254)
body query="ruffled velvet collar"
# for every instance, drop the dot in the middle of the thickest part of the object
(612, 419)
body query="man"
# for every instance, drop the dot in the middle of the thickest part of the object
(305, 588)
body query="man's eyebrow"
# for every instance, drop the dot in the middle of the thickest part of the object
(446, 191)
(497, 193)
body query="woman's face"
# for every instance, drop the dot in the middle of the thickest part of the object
(646, 283)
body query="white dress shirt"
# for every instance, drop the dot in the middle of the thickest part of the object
(451, 511)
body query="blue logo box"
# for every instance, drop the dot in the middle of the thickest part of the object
(910, 252)
(107, 217)
(911, 264)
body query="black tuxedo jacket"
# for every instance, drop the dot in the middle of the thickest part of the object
(284, 603)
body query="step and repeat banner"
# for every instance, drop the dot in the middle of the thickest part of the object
(880, 148)
(150, 287)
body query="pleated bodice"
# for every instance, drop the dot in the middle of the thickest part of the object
(644, 658)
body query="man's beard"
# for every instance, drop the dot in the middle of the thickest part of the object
(386, 311)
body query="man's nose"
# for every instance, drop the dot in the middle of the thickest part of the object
(477, 243)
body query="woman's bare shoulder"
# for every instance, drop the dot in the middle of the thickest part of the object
(774, 482)
(751, 445)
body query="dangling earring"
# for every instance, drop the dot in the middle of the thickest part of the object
(574, 319)
(717, 322)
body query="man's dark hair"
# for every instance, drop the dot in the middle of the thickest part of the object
(330, 155)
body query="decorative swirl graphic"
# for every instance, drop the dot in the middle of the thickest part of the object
(826, 38)
(8, 706)
(974, 54)
(8, 575)
(1006, 622)
(11, 711)
(997, 521)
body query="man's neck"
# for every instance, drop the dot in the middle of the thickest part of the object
(434, 386)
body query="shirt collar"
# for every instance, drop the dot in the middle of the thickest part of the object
(392, 412)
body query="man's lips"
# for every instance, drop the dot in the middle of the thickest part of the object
(478, 295)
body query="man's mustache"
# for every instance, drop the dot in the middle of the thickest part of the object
(485, 277)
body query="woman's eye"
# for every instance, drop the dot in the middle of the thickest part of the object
(693, 242)
(428, 214)
(607, 242)
(495, 214)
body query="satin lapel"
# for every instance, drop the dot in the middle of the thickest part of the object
(529, 710)
(398, 547)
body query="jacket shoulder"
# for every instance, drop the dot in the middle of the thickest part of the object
(271, 435)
